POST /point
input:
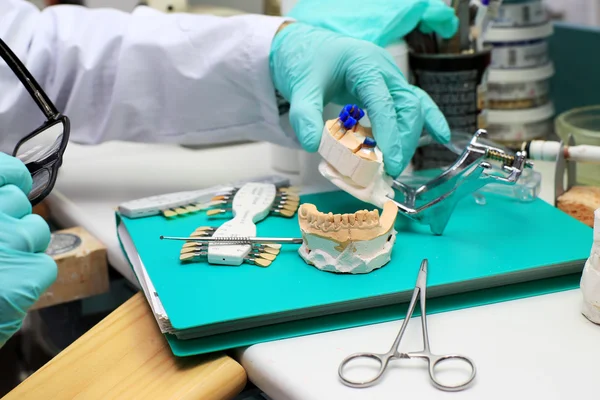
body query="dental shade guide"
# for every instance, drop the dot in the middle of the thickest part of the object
(285, 203)
(252, 203)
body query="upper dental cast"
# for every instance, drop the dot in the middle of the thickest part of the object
(351, 159)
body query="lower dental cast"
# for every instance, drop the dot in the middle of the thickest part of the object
(347, 243)
(590, 278)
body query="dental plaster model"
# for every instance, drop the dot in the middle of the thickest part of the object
(350, 243)
(351, 159)
(590, 279)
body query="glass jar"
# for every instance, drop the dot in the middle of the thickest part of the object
(584, 124)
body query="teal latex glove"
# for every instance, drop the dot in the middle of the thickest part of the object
(378, 21)
(311, 67)
(25, 271)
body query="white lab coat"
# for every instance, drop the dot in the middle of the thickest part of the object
(142, 76)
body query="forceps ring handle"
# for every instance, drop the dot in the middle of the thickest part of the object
(435, 360)
(383, 360)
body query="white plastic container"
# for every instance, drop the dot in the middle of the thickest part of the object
(518, 89)
(519, 47)
(590, 278)
(512, 127)
(521, 15)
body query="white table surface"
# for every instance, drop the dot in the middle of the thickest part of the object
(535, 348)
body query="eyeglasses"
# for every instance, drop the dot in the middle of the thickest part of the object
(42, 150)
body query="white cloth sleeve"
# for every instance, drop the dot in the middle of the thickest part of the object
(142, 76)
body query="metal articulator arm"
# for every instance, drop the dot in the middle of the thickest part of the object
(433, 203)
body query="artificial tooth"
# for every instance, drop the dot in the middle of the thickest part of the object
(262, 263)
(205, 228)
(191, 245)
(215, 212)
(290, 189)
(375, 213)
(374, 216)
(337, 219)
(181, 210)
(266, 256)
(191, 208)
(258, 261)
(186, 257)
(351, 219)
(290, 196)
(269, 250)
(304, 214)
(285, 207)
(169, 213)
(191, 256)
(188, 250)
(328, 221)
(286, 213)
(360, 217)
(320, 219)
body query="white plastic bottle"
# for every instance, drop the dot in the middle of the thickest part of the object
(590, 279)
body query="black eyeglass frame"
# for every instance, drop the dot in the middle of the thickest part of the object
(53, 162)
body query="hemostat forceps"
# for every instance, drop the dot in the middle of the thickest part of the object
(433, 203)
(433, 360)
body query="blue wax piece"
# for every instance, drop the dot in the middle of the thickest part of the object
(349, 123)
(369, 142)
(362, 114)
(344, 115)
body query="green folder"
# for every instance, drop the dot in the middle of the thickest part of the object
(499, 251)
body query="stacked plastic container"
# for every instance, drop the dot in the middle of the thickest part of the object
(519, 105)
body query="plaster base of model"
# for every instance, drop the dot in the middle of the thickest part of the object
(357, 258)
(377, 192)
(350, 243)
(590, 279)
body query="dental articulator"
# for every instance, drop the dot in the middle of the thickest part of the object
(430, 202)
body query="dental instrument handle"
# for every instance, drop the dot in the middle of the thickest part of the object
(548, 151)
(236, 240)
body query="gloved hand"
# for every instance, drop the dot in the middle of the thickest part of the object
(311, 67)
(378, 21)
(25, 271)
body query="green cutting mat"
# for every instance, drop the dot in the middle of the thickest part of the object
(497, 241)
